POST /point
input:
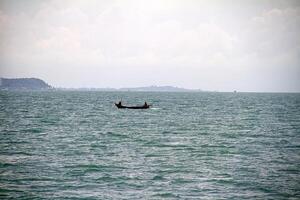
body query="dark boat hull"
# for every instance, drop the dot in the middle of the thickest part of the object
(132, 107)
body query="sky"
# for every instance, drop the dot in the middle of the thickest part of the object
(243, 45)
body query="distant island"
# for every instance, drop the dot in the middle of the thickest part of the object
(38, 84)
(159, 89)
(23, 84)
(136, 89)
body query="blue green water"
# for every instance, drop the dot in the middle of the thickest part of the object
(78, 145)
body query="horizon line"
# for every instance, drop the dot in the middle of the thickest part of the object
(132, 88)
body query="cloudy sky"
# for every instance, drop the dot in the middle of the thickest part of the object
(212, 45)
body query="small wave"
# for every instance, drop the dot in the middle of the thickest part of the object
(49, 121)
(166, 195)
(32, 130)
(155, 108)
(4, 165)
(117, 134)
(158, 177)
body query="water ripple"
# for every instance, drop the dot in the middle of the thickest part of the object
(77, 145)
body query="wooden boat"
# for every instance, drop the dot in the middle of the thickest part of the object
(145, 106)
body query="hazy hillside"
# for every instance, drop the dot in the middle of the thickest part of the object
(158, 89)
(23, 84)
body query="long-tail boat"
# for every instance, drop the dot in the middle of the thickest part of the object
(145, 106)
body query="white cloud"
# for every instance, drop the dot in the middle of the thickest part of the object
(194, 44)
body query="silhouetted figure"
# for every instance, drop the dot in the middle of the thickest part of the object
(145, 104)
(120, 103)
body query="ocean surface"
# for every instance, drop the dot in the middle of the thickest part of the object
(78, 145)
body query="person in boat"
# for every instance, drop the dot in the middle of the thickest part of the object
(145, 104)
(120, 103)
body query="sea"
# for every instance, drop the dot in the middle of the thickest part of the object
(189, 145)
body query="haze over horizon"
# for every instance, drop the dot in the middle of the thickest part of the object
(210, 45)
